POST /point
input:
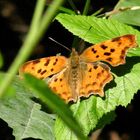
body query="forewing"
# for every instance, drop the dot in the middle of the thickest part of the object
(44, 67)
(112, 51)
(94, 77)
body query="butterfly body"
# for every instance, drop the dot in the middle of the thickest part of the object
(81, 75)
(74, 74)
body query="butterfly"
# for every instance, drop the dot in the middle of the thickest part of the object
(84, 74)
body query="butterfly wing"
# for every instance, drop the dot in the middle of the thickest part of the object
(44, 67)
(112, 51)
(59, 83)
(94, 77)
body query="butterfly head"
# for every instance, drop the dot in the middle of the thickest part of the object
(74, 58)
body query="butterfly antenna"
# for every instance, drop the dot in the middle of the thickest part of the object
(59, 44)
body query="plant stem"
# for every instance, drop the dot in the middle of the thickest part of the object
(37, 16)
(36, 31)
(86, 8)
(1, 60)
(74, 7)
(48, 16)
(66, 10)
(97, 12)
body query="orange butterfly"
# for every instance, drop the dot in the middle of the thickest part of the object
(81, 75)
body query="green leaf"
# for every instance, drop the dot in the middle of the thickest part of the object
(10, 90)
(129, 14)
(95, 30)
(24, 115)
(55, 103)
(90, 111)
(130, 17)
(106, 119)
(127, 3)
(135, 52)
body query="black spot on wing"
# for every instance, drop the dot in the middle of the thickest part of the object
(39, 70)
(90, 70)
(54, 63)
(102, 71)
(104, 46)
(97, 56)
(54, 89)
(90, 91)
(47, 62)
(115, 39)
(55, 80)
(119, 43)
(94, 83)
(36, 61)
(98, 75)
(109, 59)
(56, 60)
(43, 72)
(123, 52)
(122, 56)
(64, 93)
(97, 91)
(95, 67)
(107, 53)
(93, 50)
(112, 50)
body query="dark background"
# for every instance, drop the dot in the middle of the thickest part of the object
(15, 18)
